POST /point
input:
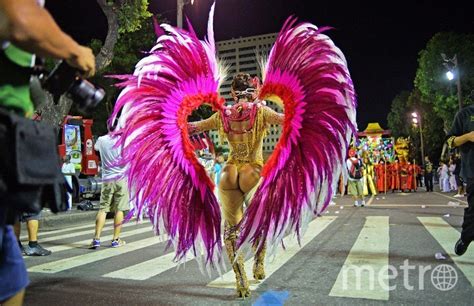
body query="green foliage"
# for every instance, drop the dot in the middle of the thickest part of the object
(432, 124)
(397, 118)
(128, 50)
(431, 78)
(132, 14)
(400, 123)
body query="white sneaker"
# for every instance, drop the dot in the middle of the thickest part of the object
(458, 196)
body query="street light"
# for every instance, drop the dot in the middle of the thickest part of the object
(416, 119)
(453, 72)
(179, 17)
(450, 75)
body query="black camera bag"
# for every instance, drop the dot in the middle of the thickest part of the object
(30, 173)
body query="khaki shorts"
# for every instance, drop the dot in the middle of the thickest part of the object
(114, 196)
(355, 188)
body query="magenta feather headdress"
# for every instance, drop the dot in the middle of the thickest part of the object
(308, 75)
(179, 74)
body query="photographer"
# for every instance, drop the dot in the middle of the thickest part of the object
(25, 29)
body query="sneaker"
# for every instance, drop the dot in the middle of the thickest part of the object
(37, 250)
(362, 204)
(458, 196)
(117, 243)
(95, 244)
(22, 248)
(461, 247)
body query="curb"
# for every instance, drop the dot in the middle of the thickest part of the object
(68, 218)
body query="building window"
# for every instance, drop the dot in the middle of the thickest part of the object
(246, 48)
(247, 69)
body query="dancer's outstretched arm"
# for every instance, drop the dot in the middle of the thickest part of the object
(208, 124)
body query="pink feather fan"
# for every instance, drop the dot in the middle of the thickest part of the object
(165, 178)
(308, 76)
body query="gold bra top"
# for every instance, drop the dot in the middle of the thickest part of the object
(244, 130)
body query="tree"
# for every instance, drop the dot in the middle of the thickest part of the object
(433, 133)
(399, 122)
(397, 118)
(129, 49)
(123, 17)
(431, 78)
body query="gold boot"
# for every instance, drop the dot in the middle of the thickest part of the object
(259, 260)
(241, 282)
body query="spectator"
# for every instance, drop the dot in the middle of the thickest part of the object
(452, 178)
(443, 173)
(68, 170)
(114, 193)
(219, 164)
(462, 136)
(457, 176)
(428, 170)
(355, 187)
(26, 27)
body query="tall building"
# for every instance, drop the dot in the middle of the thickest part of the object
(241, 56)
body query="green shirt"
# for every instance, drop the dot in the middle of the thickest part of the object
(15, 79)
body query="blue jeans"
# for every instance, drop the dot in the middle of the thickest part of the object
(13, 275)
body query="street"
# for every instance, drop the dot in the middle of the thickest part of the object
(382, 253)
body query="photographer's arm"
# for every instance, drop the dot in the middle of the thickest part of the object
(456, 141)
(32, 28)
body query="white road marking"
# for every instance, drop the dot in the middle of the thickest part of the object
(80, 260)
(365, 271)
(450, 197)
(80, 233)
(146, 269)
(446, 236)
(105, 240)
(314, 229)
(370, 200)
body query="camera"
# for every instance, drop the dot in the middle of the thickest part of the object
(66, 79)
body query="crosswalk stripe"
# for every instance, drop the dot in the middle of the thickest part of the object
(446, 236)
(365, 271)
(80, 260)
(75, 234)
(85, 243)
(147, 269)
(292, 247)
(450, 197)
(48, 233)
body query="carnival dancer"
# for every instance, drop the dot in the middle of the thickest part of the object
(243, 126)
(411, 177)
(381, 174)
(395, 175)
(305, 74)
(369, 175)
(404, 175)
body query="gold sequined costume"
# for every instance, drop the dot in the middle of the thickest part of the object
(244, 127)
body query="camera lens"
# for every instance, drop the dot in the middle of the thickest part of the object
(86, 94)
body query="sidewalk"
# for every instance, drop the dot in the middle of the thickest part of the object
(66, 218)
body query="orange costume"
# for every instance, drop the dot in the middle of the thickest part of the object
(395, 176)
(404, 176)
(382, 178)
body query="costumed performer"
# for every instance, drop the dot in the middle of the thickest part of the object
(306, 74)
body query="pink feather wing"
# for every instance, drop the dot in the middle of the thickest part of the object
(310, 76)
(165, 178)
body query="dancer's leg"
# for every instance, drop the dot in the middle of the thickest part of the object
(232, 199)
(249, 175)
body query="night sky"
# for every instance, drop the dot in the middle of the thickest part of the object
(380, 39)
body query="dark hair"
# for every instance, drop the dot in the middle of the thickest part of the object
(242, 81)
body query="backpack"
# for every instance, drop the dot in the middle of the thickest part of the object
(356, 171)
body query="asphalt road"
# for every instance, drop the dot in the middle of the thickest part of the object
(382, 253)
